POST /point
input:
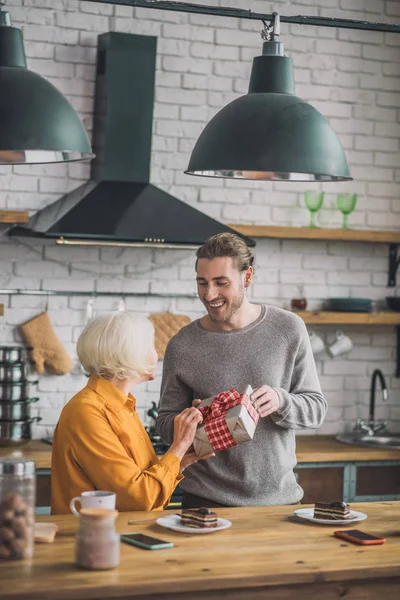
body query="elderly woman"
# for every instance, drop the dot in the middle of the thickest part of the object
(99, 442)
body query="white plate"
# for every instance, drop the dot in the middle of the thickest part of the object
(308, 514)
(174, 522)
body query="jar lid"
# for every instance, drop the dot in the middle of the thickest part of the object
(99, 513)
(17, 466)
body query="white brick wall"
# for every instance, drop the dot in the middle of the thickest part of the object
(352, 77)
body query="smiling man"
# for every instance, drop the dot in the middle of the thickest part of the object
(238, 343)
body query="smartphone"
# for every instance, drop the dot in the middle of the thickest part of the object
(359, 537)
(145, 541)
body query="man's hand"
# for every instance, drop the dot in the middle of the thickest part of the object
(265, 400)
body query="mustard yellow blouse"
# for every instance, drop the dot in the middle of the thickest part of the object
(100, 443)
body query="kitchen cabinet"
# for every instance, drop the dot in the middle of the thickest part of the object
(380, 480)
(326, 469)
(350, 481)
(43, 488)
(321, 484)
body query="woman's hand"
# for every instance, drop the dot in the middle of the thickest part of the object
(190, 458)
(185, 425)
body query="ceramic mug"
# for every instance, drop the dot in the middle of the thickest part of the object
(317, 343)
(341, 345)
(94, 499)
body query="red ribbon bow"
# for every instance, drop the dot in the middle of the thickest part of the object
(214, 418)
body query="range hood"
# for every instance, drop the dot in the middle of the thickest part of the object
(118, 206)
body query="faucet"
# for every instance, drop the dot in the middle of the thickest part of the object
(373, 427)
(377, 374)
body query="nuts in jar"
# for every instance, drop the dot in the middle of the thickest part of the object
(16, 527)
(17, 512)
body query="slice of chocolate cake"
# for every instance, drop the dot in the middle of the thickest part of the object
(332, 511)
(199, 518)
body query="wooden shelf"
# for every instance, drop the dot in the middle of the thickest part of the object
(14, 216)
(349, 318)
(307, 233)
(1, 310)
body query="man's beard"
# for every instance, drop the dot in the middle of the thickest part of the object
(236, 303)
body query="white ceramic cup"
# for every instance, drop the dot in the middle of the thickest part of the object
(94, 499)
(317, 343)
(341, 345)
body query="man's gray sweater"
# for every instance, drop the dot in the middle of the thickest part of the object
(273, 350)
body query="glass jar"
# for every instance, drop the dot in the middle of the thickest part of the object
(97, 542)
(17, 508)
(298, 304)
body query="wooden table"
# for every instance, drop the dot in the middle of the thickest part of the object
(266, 554)
(309, 448)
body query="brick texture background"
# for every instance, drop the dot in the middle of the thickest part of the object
(352, 77)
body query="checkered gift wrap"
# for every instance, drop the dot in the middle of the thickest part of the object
(228, 419)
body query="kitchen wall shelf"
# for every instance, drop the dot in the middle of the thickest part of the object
(352, 318)
(14, 216)
(308, 233)
(343, 235)
(349, 318)
(93, 294)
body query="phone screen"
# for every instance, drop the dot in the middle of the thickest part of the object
(360, 535)
(144, 539)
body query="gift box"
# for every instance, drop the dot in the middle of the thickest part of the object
(229, 419)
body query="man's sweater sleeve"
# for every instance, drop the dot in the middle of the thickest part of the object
(175, 394)
(304, 406)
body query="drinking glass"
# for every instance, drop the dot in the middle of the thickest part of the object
(313, 201)
(346, 203)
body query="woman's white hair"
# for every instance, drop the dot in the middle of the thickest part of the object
(117, 345)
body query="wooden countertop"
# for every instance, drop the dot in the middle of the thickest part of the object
(325, 448)
(267, 553)
(33, 450)
(310, 448)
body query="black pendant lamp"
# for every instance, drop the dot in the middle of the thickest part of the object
(270, 133)
(37, 123)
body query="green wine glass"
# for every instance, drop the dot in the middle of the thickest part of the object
(313, 201)
(346, 203)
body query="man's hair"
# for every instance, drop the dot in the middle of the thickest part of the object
(227, 244)
(117, 345)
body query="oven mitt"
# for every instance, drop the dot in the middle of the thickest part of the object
(48, 351)
(166, 325)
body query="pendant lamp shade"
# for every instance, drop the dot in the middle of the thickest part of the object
(270, 134)
(37, 123)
